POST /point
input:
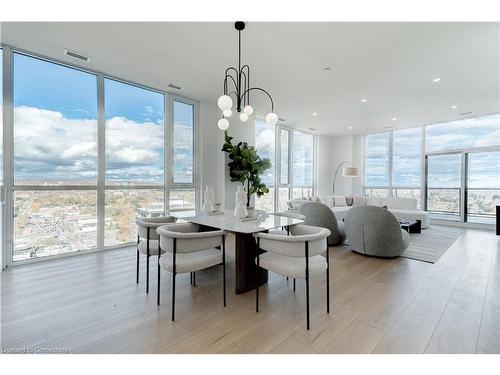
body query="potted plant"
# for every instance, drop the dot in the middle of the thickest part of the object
(246, 166)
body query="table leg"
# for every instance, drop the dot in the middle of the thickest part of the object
(246, 251)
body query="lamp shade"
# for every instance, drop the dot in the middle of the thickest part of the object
(350, 172)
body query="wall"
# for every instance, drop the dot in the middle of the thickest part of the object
(331, 152)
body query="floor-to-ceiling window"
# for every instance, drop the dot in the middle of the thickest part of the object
(461, 160)
(291, 175)
(406, 163)
(55, 158)
(377, 151)
(89, 153)
(135, 155)
(265, 143)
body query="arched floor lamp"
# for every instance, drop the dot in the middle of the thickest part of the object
(346, 172)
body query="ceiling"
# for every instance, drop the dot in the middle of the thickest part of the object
(392, 65)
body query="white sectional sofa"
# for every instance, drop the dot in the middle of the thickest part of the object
(402, 208)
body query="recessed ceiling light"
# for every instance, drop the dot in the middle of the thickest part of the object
(436, 80)
(349, 127)
(315, 114)
(454, 106)
(394, 119)
(364, 100)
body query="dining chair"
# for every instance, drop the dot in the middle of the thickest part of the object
(148, 240)
(185, 249)
(297, 255)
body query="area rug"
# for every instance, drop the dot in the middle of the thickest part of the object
(432, 243)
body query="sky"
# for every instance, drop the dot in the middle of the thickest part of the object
(55, 128)
(302, 154)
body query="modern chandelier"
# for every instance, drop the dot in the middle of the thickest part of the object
(237, 84)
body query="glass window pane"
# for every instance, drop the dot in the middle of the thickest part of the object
(302, 193)
(183, 142)
(407, 193)
(266, 202)
(122, 207)
(475, 132)
(444, 185)
(483, 186)
(382, 193)
(53, 222)
(55, 124)
(377, 159)
(284, 139)
(302, 159)
(407, 146)
(265, 145)
(134, 134)
(182, 199)
(283, 198)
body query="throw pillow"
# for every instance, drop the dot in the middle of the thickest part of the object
(339, 200)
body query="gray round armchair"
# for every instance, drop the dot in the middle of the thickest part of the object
(320, 215)
(375, 231)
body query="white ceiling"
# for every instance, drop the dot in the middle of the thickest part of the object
(390, 64)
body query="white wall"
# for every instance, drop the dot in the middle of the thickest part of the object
(331, 152)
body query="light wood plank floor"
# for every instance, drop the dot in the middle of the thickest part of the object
(91, 304)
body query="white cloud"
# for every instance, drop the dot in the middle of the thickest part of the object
(48, 145)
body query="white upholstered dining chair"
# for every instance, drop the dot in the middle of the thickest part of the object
(297, 255)
(148, 240)
(185, 249)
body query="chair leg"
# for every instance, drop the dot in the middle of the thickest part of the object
(294, 284)
(191, 278)
(194, 278)
(327, 282)
(224, 269)
(137, 269)
(137, 264)
(158, 289)
(257, 278)
(174, 253)
(307, 285)
(148, 254)
(173, 296)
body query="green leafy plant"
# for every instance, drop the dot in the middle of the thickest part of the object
(246, 166)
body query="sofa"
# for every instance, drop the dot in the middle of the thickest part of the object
(375, 231)
(401, 208)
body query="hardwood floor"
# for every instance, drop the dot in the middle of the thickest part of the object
(91, 304)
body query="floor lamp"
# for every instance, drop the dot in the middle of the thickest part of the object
(346, 172)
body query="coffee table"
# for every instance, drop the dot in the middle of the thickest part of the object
(412, 226)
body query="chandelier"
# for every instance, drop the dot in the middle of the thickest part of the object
(237, 84)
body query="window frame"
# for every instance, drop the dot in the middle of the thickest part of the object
(9, 187)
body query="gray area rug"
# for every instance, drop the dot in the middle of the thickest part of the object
(432, 243)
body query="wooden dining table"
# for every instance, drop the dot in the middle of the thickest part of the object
(245, 243)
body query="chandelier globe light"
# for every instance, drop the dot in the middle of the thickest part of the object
(236, 90)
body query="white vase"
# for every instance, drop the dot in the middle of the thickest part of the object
(240, 211)
(208, 205)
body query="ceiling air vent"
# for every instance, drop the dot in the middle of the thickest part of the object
(77, 55)
(281, 119)
(173, 86)
(466, 113)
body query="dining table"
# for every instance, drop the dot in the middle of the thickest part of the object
(245, 243)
